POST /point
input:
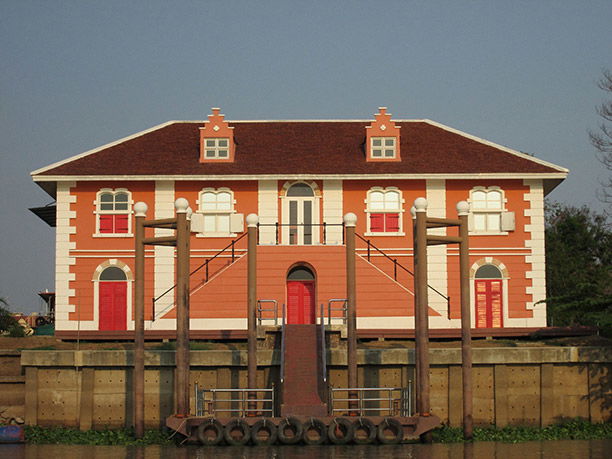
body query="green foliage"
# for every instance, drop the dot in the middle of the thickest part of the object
(42, 435)
(578, 267)
(8, 324)
(575, 429)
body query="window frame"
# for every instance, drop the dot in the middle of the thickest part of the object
(383, 147)
(217, 212)
(99, 212)
(216, 148)
(486, 212)
(399, 211)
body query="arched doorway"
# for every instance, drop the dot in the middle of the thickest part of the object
(300, 211)
(112, 295)
(489, 297)
(300, 296)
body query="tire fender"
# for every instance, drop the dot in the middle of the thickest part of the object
(210, 432)
(318, 426)
(340, 431)
(369, 429)
(394, 427)
(240, 427)
(295, 426)
(265, 425)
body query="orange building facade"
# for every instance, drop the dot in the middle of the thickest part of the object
(300, 178)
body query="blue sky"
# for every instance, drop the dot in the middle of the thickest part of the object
(79, 74)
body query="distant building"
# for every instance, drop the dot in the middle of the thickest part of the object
(300, 178)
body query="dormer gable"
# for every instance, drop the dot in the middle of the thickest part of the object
(382, 138)
(217, 139)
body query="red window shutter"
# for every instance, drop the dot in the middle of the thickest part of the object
(121, 223)
(106, 223)
(377, 223)
(392, 223)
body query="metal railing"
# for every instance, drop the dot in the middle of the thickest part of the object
(323, 348)
(231, 246)
(343, 309)
(372, 401)
(282, 356)
(293, 231)
(261, 310)
(396, 265)
(234, 402)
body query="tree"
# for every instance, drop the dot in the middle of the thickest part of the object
(602, 139)
(8, 324)
(578, 267)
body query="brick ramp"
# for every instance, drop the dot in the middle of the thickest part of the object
(302, 386)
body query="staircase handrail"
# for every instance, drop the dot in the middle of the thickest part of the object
(282, 358)
(396, 265)
(231, 245)
(323, 349)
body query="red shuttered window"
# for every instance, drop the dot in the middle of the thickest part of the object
(113, 209)
(384, 208)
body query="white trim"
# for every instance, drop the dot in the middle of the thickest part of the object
(63, 260)
(537, 258)
(437, 270)
(164, 274)
(399, 210)
(315, 216)
(216, 213)
(333, 211)
(267, 209)
(98, 211)
(95, 323)
(304, 177)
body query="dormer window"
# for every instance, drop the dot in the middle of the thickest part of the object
(383, 147)
(382, 138)
(216, 148)
(217, 139)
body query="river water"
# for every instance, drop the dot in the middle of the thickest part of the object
(553, 449)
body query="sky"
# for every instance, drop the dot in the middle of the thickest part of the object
(79, 74)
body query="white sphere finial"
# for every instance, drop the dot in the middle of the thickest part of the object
(463, 208)
(420, 204)
(181, 205)
(413, 212)
(350, 219)
(252, 220)
(140, 209)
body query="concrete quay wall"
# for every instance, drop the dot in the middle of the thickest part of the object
(512, 386)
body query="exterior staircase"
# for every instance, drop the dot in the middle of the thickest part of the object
(303, 383)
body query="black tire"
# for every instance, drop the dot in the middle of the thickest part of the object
(237, 432)
(290, 431)
(390, 432)
(210, 432)
(318, 428)
(264, 426)
(40, 321)
(340, 431)
(364, 431)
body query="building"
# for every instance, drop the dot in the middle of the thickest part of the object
(300, 178)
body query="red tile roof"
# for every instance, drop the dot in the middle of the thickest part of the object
(303, 147)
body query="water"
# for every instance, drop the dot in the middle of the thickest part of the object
(558, 449)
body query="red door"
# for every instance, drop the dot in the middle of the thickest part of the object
(113, 305)
(488, 303)
(300, 302)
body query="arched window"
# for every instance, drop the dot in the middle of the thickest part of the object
(384, 207)
(490, 283)
(112, 293)
(487, 206)
(300, 213)
(113, 209)
(488, 272)
(217, 205)
(300, 190)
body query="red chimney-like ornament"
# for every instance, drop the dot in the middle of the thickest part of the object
(382, 138)
(217, 139)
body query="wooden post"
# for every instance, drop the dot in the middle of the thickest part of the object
(417, 361)
(182, 308)
(252, 220)
(140, 212)
(463, 209)
(422, 325)
(350, 221)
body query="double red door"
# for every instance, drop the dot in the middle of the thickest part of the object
(113, 305)
(300, 302)
(489, 303)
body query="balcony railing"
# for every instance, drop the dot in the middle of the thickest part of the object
(305, 230)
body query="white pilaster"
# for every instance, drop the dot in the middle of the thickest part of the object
(64, 295)
(164, 256)
(437, 275)
(267, 198)
(332, 210)
(534, 241)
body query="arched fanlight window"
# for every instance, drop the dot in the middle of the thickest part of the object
(112, 273)
(488, 272)
(217, 205)
(486, 205)
(299, 190)
(113, 210)
(300, 273)
(384, 209)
